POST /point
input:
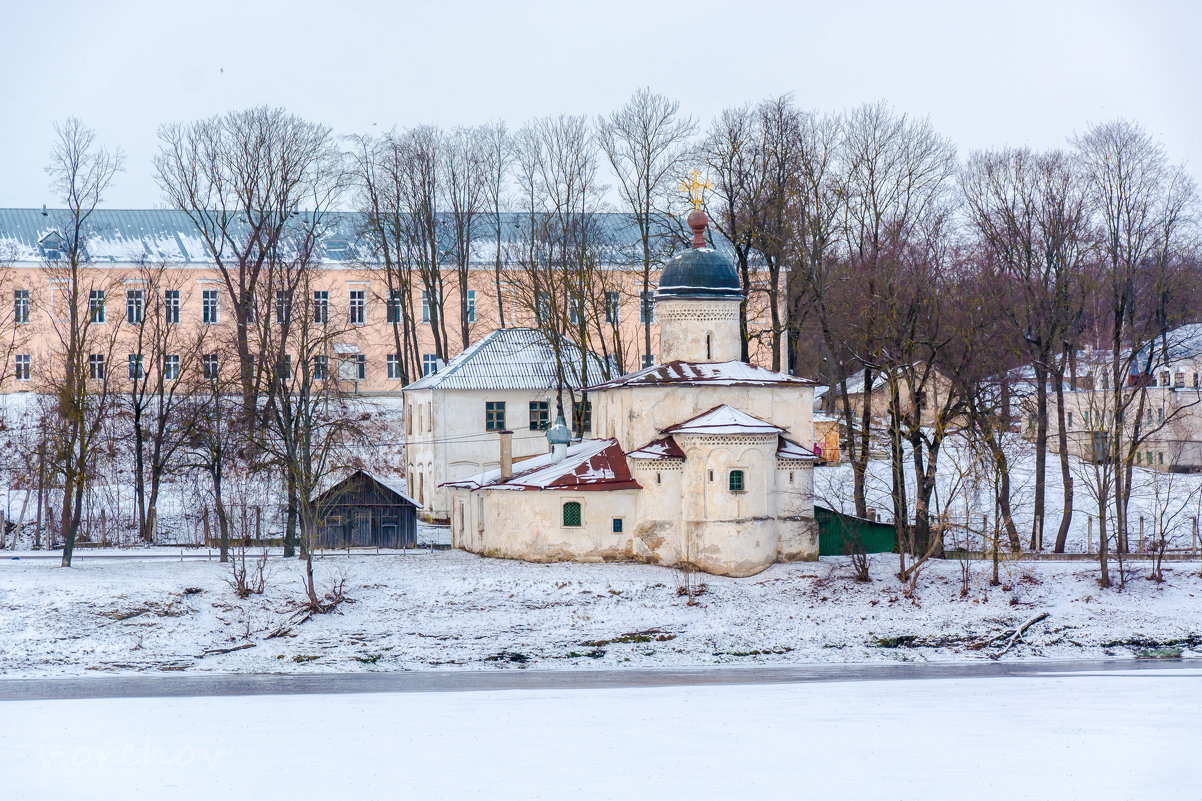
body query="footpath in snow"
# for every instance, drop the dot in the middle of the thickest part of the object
(453, 610)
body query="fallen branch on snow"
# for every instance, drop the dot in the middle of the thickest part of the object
(214, 651)
(1014, 636)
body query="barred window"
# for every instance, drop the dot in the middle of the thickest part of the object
(571, 514)
(736, 481)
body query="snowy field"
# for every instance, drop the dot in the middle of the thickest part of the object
(454, 610)
(1168, 502)
(1076, 736)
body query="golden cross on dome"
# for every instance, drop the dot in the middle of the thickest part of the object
(695, 188)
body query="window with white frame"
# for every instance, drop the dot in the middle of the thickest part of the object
(135, 306)
(646, 307)
(20, 305)
(135, 367)
(211, 366)
(283, 306)
(392, 310)
(171, 306)
(321, 307)
(321, 367)
(425, 306)
(471, 306)
(358, 306)
(429, 364)
(613, 307)
(96, 366)
(361, 362)
(22, 368)
(394, 366)
(96, 305)
(209, 311)
(171, 367)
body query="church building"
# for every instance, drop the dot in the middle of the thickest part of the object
(701, 460)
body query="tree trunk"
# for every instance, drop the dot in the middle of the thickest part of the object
(1066, 474)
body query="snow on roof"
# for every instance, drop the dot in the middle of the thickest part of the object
(336, 477)
(127, 235)
(663, 448)
(788, 449)
(594, 464)
(821, 417)
(733, 373)
(510, 358)
(722, 420)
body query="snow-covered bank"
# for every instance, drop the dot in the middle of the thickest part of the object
(450, 609)
(1071, 737)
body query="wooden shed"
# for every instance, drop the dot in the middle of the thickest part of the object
(363, 510)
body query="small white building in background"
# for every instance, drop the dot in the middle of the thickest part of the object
(506, 381)
(702, 460)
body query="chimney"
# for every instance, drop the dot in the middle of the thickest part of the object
(506, 455)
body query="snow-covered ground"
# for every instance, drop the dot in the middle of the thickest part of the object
(454, 610)
(1085, 736)
(1168, 502)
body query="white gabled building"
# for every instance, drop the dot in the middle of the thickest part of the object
(506, 381)
(703, 460)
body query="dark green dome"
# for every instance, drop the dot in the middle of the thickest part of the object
(699, 274)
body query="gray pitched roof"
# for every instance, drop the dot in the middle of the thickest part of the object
(125, 235)
(511, 358)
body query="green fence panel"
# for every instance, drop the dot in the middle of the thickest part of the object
(834, 529)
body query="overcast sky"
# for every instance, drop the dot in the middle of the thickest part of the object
(987, 74)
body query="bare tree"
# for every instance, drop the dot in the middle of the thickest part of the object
(498, 153)
(1029, 211)
(379, 167)
(897, 173)
(80, 171)
(646, 143)
(241, 178)
(169, 355)
(1144, 211)
(310, 423)
(466, 173)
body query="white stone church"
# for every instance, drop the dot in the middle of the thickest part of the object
(701, 460)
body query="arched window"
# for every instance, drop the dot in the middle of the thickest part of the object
(736, 481)
(571, 514)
